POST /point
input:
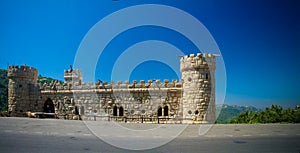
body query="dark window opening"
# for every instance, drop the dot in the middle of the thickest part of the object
(115, 111)
(121, 111)
(76, 110)
(132, 111)
(166, 111)
(190, 112)
(159, 111)
(196, 112)
(20, 86)
(206, 76)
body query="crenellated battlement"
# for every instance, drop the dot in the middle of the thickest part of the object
(198, 61)
(22, 72)
(73, 76)
(111, 85)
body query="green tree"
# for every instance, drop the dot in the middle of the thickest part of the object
(274, 114)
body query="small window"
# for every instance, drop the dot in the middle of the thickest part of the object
(166, 111)
(159, 111)
(139, 100)
(196, 112)
(76, 110)
(115, 111)
(20, 86)
(121, 111)
(132, 111)
(206, 76)
(190, 112)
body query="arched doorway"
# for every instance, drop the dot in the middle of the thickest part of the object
(115, 111)
(166, 111)
(121, 111)
(159, 111)
(48, 106)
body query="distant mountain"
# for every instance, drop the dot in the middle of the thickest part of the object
(228, 112)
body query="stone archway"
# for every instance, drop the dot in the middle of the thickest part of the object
(49, 106)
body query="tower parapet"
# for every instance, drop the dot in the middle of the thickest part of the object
(200, 61)
(73, 76)
(198, 89)
(23, 72)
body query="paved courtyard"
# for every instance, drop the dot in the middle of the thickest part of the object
(49, 135)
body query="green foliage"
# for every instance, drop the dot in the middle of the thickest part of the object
(3, 90)
(47, 80)
(275, 114)
(227, 112)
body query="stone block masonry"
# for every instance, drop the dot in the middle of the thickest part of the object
(191, 100)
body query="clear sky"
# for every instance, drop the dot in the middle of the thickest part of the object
(259, 41)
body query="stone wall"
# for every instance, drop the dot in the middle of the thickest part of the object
(136, 99)
(191, 101)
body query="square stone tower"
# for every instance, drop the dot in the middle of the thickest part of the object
(73, 76)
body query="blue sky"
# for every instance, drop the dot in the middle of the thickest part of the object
(259, 41)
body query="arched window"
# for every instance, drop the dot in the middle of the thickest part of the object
(166, 111)
(121, 111)
(159, 111)
(115, 111)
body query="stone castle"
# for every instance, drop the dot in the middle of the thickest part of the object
(191, 100)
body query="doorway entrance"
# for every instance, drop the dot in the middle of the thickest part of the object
(48, 106)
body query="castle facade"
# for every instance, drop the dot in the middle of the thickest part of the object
(191, 100)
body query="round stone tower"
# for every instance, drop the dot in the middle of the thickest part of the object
(198, 101)
(22, 90)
